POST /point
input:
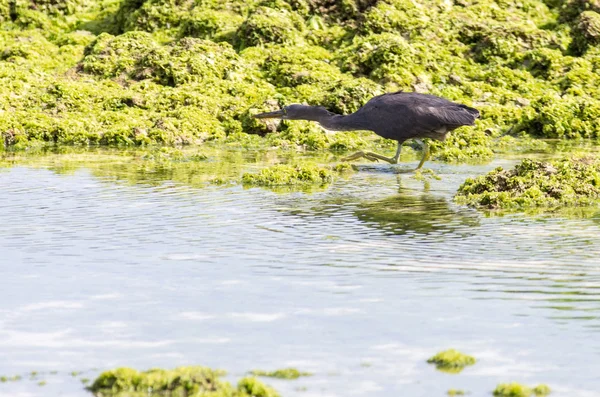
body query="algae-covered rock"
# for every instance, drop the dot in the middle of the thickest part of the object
(268, 25)
(284, 66)
(216, 62)
(188, 60)
(451, 360)
(465, 144)
(568, 117)
(136, 55)
(397, 16)
(512, 390)
(293, 174)
(347, 95)
(212, 24)
(150, 15)
(385, 55)
(252, 387)
(188, 381)
(63, 7)
(503, 41)
(565, 182)
(5, 10)
(111, 56)
(542, 390)
(285, 373)
(518, 390)
(586, 32)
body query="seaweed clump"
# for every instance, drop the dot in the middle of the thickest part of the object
(451, 361)
(294, 174)
(586, 32)
(518, 390)
(285, 373)
(565, 182)
(188, 381)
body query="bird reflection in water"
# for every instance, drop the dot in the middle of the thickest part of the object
(409, 211)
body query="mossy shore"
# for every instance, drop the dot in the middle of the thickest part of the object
(139, 72)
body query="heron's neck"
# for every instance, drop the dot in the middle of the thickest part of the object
(338, 122)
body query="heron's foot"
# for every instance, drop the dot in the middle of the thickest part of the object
(370, 156)
(425, 155)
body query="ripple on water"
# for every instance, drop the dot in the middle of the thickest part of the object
(380, 267)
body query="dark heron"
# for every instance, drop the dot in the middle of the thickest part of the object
(398, 115)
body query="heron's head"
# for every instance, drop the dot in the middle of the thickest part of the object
(296, 112)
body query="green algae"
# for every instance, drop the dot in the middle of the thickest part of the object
(141, 72)
(542, 390)
(189, 381)
(304, 174)
(565, 182)
(425, 174)
(14, 378)
(451, 361)
(285, 373)
(518, 390)
(455, 392)
(586, 32)
(268, 25)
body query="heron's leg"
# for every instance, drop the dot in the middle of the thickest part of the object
(425, 153)
(370, 156)
(396, 158)
(376, 157)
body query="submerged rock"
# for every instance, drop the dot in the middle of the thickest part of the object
(565, 182)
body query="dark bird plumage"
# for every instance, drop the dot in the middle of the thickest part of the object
(399, 116)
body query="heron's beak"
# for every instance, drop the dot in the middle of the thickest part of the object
(278, 114)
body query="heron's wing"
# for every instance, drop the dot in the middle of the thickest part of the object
(453, 116)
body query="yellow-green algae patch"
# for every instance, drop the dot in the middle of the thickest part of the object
(14, 378)
(515, 389)
(295, 174)
(139, 72)
(193, 381)
(451, 361)
(565, 182)
(285, 373)
(455, 392)
(542, 390)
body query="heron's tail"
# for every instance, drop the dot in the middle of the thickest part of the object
(471, 111)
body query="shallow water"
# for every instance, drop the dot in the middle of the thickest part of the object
(360, 283)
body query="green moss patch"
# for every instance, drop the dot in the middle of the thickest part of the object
(285, 373)
(565, 182)
(294, 174)
(189, 381)
(451, 360)
(586, 32)
(518, 390)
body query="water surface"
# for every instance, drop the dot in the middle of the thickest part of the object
(108, 264)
